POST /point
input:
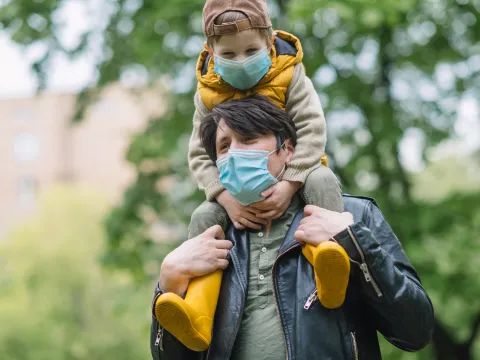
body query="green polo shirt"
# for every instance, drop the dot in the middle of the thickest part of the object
(261, 335)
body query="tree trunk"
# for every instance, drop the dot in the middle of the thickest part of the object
(446, 347)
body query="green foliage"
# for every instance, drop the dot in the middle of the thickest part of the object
(57, 302)
(378, 68)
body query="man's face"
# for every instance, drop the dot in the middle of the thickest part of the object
(228, 139)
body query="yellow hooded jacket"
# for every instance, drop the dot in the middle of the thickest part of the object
(286, 52)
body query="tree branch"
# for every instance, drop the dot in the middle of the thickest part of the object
(444, 344)
(475, 329)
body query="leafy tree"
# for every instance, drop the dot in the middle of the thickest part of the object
(57, 301)
(384, 70)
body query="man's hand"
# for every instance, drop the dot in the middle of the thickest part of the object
(196, 257)
(277, 199)
(241, 216)
(320, 225)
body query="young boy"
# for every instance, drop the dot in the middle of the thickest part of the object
(243, 56)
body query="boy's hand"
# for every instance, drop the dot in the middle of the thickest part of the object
(277, 199)
(241, 216)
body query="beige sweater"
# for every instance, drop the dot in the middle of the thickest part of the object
(303, 106)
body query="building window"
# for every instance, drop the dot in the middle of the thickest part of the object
(26, 147)
(27, 191)
(24, 114)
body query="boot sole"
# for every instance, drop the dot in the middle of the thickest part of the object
(332, 267)
(175, 319)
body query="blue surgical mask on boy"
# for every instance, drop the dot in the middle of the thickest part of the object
(245, 175)
(243, 74)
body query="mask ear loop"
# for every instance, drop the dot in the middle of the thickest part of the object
(281, 172)
(284, 165)
(278, 148)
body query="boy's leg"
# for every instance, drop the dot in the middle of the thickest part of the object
(209, 213)
(190, 320)
(322, 189)
(330, 261)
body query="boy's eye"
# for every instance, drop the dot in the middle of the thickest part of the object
(251, 50)
(228, 54)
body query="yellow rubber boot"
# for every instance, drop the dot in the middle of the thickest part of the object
(190, 320)
(332, 271)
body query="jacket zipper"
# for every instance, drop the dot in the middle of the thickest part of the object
(236, 333)
(275, 296)
(354, 343)
(363, 265)
(311, 299)
(159, 338)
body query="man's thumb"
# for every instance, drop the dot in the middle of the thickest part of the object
(216, 231)
(300, 236)
(308, 210)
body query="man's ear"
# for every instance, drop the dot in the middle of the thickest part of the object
(290, 149)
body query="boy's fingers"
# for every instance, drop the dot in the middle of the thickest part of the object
(264, 205)
(252, 210)
(249, 224)
(267, 215)
(268, 192)
(253, 218)
(238, 226)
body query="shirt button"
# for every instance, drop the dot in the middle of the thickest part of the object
(261, 277)
(264, 249)
(260, 234)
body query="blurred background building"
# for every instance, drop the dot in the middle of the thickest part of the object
(41, 147)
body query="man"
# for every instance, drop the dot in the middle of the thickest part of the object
(268, 307)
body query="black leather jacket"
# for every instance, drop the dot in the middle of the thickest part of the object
(384, 294)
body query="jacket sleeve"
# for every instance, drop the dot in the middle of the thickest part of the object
(400, 307)
(200, 164)
(163, 346)
(304, 108)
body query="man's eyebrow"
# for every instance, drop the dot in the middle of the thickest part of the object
(222, 139)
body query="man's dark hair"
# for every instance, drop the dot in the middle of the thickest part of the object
(251, 117)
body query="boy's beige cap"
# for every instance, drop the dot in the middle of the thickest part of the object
(255, 10)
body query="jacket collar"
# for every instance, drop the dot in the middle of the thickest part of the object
(289, 240)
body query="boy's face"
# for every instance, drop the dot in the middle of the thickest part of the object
(240, 45)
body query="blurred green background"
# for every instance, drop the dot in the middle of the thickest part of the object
(400, 85)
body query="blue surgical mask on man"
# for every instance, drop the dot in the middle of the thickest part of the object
(243, 74)
(245, 175)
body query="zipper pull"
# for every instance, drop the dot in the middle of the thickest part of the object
(159, 338)
(311, 299)
(365, 271)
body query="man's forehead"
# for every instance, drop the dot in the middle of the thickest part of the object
(223, 131)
